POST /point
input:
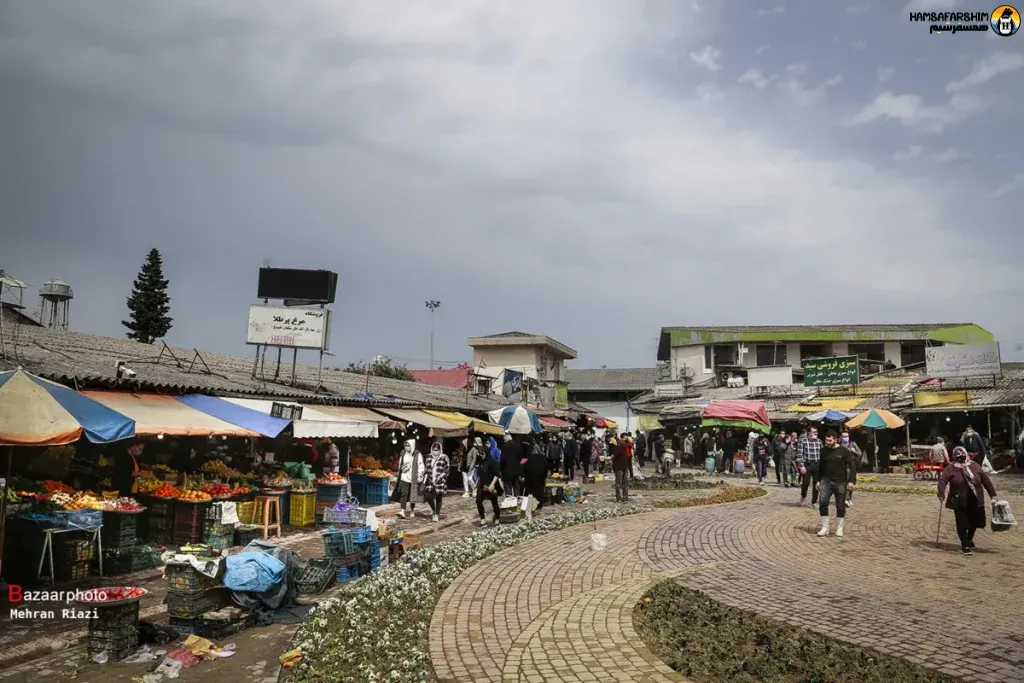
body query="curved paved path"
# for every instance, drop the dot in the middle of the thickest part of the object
(553, 610)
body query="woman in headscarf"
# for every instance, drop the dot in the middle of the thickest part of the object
(436, 482)
(509, 456)
(411, 475)
(536, 474)
(489, 482)
(967, 483)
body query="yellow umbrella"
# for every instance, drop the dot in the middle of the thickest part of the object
(876, 419)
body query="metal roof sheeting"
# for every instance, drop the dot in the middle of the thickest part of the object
(610, 379)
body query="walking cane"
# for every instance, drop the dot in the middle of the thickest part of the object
(939, 530)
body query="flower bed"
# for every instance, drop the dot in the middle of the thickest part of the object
(375, 630)
(709, 642)
(728, 494)
(676, 482)
(912, 490)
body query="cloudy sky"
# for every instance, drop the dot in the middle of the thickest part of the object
(587, 169)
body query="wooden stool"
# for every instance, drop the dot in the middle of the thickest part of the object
(266, 504)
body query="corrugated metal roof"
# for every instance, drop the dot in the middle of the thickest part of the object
(90, 360)
(610, 379)
(922, 327)
(455, 378)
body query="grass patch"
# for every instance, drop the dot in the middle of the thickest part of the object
(726, 494)
(709, 642)
(676, 482)
(911, 490)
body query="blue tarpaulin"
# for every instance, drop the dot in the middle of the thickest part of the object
(240, 416)
(253, 572)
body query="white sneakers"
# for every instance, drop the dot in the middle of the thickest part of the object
(840, 523)
(824, 527)
(435, 518)
(467, 494)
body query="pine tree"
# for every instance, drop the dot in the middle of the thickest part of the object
(149, 304)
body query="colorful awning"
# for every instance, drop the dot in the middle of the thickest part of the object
(156, 414)
(648, 423)
(362, 415)
(554, 422)
(38, 412)
(814, 405)
(437, 426)
(316, 422)
(468, 422)
(240, 416)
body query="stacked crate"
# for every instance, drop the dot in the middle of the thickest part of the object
(302, 508)
(119, 536)
(246, 534)
(328, 495)
(73, 553)
(114, 631)
(188, 522)
(190, 595)
(375, 491)
(215, 533)
(158, 521)
(340, 547)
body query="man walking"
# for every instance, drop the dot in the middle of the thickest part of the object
(849, 444)
(779, 449)
(975, 445)
(570, 454)
(620, 466)
(837, 471)
(808, 454)
(688, 448)
(641, 448)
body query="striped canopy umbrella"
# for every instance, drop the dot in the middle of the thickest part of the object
(37, 412)
(517, 420)
(827, 415)
(876, 419)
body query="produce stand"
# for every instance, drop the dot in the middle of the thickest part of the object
(47, 553)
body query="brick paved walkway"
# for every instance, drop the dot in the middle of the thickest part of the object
(553, 610)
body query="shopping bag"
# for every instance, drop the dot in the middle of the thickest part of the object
(986, 465)
(771, 463)
(1002, 516)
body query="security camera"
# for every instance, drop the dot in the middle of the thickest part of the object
(123, 371)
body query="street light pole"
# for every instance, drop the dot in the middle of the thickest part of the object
(433, 306)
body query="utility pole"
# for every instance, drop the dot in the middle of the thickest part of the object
(433, 306)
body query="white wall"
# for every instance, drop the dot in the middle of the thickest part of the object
(692, 357)
(522, 358)
(841, 348)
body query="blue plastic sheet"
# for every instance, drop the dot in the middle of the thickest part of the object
(254, 572)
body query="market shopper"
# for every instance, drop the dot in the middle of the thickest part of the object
(837, 471)
(760, 453)
(659, 454)
(966, 483)
(808, 454)
(554, 454)
(511, 468)
(469, 464)
(436, 482)
(779, 444)
(411, 475)
(788, 461)
(846, 442)
(688, 446)
(729, 447)
(586, 451)
(627, 440)
(939, 454)
(488, 484)
(570, 454)
(641, 449)
(973, 443)
(535, 473)
(620, 466)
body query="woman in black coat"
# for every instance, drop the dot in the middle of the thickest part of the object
(967, 484)
(536, 473)
(511, 469)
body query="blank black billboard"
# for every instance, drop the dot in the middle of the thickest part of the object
(315, 286)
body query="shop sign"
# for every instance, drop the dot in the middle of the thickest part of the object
(963, 360)
(927, 399)
(289, 327)
(561, 396)
(776, 376)
(668, 390)
(512, 384)
(831, 372)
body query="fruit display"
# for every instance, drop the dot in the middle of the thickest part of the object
(51, 486)
(98, 596)
(12, 496)
(166, 491)
(240, 491)
(221, 491)
(360, 462)
(150, 485)
(166, 469)
(279, 479)
(104, 461)
(220, 468)
(332, 478)
(378, 473)
(302, 486)
(194, 497)
(122, 504)
(77, 501)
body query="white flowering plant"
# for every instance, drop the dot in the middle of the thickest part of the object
(375, 630)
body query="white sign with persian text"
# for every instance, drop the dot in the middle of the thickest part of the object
(297, 328)
(963, 360)
(776, 376)
(668, 390)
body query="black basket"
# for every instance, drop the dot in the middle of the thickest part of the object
(246, 534)
(77, 547)
(183, 578)
(156, 508)
(316, 577)
(127, 560)
(122, 540)
(115, 643)
(115, 618)
(216, 629)
(184, 627)
(157, 524)
(191, 604)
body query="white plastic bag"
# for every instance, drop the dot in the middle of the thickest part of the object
(986, 465)
(598, 542)
(1002, 516)
(771, 463)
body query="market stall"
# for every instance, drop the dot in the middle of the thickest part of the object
(749, 415)
(156, 415)
(473, 425)
(875, 420)
(241, 416)
(315, 422)
(554, 424)
(435, 426)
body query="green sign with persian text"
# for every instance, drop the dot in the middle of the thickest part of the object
(831, 372)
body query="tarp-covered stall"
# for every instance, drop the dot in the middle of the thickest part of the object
(156, 414)
(737, 414)
(436, 425)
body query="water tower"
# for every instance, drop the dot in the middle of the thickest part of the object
(55, 304)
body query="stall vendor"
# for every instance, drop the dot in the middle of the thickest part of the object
(126, 470)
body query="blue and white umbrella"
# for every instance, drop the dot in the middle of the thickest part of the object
(517, 420)
(828, 415)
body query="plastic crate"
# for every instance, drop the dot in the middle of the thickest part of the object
(217, 629)
(184, 578)
(361, 534)
(115, 643)
(346, 574)
(72, 571)
(192, 604)
(184, 627)
(350, 560)
(156, 507)
(189, 514)
(222, 542)
(115, 617)
(215, 513)
(353, 516)
(246, 512)
(217, 529)
(376, 498)
(246, 534)
(68, 548)
(302, 508)
(338, 542)
(119, 530)
(377, 485)
(124, 561)
(160, 524)
(285, 504)
(317, 575)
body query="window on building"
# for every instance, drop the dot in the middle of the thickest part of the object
(725, 354)
(771, 354)
(814, 351)
(709, 363)
(911, 353)
(872, 351)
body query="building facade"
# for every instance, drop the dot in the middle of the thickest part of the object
(541, 359)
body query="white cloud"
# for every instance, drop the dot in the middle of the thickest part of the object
(803, 96)
(1012, 186)
(762, 49)
(912, 111)
(755, 78)
(885, 73)
(858, 9)
(859, 45)
(709, 92)
(988, 68)
(708, 57)
(908, 154)
(948, 155)
(796, 69)
(778, 9)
